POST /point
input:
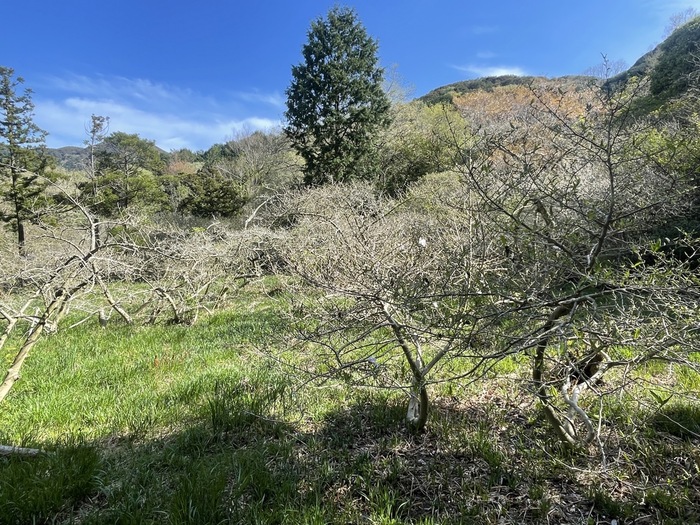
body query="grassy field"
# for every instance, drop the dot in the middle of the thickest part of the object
(175, 424)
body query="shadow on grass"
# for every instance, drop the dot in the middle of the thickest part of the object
(34, 490)
(680, 420)
(229, 461)
(381, 470)
(242, 461)
(238, 463)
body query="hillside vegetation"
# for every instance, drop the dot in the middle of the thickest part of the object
(490, 84)
(670, 69)
(485, 311)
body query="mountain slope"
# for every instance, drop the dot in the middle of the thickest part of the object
(448, 92)
(671, 68)
(71, 158)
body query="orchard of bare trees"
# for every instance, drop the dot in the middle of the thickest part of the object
(540, 234)
(557, 240)
(550, 226)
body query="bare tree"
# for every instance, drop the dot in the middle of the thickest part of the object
(546, 245)
(397, 293)
(678, 20)
(577, 199)
(165, 274)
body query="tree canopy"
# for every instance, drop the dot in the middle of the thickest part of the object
(20, 164)
(335, 102)
(128, 169)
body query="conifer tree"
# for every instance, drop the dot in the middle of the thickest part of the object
(335, 103)
(128, 174)
(20, 162)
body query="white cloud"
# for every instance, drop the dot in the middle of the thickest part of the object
(172, 116)
(491, 71)
(273, 99)
(104, 87)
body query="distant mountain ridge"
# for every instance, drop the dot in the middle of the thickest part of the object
(670, 69)
(446, 93)
(72, 158)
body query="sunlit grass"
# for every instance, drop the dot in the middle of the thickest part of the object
(196, 424)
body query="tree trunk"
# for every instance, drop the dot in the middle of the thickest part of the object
(110, 299)
(417, 413)
(21, 238)
(537, 376)
(55, 309)
(13, 372)
(6, 450)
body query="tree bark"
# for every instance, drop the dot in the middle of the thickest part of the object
(6, 450)
(55, 309)
(417, 413)
(13, 372)
(21, 240)
(537, 374)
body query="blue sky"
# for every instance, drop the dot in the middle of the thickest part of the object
(190, 74)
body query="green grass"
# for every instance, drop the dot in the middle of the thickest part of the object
(38, 487)
(174, 424)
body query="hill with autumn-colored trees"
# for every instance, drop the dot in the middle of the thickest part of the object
(494, 84)
(669, 70)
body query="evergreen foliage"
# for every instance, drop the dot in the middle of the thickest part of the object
(669, 68)
(218, 152)
(671, 75)
(335, 103)
(20, 161)
(128, 170)
(211, 194)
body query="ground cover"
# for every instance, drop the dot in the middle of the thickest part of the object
(196, 424)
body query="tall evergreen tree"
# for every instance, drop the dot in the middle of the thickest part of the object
(20, 162)
(335, 103)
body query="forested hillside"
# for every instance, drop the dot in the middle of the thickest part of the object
(481, 306)
(491, 84)
(670, 70)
